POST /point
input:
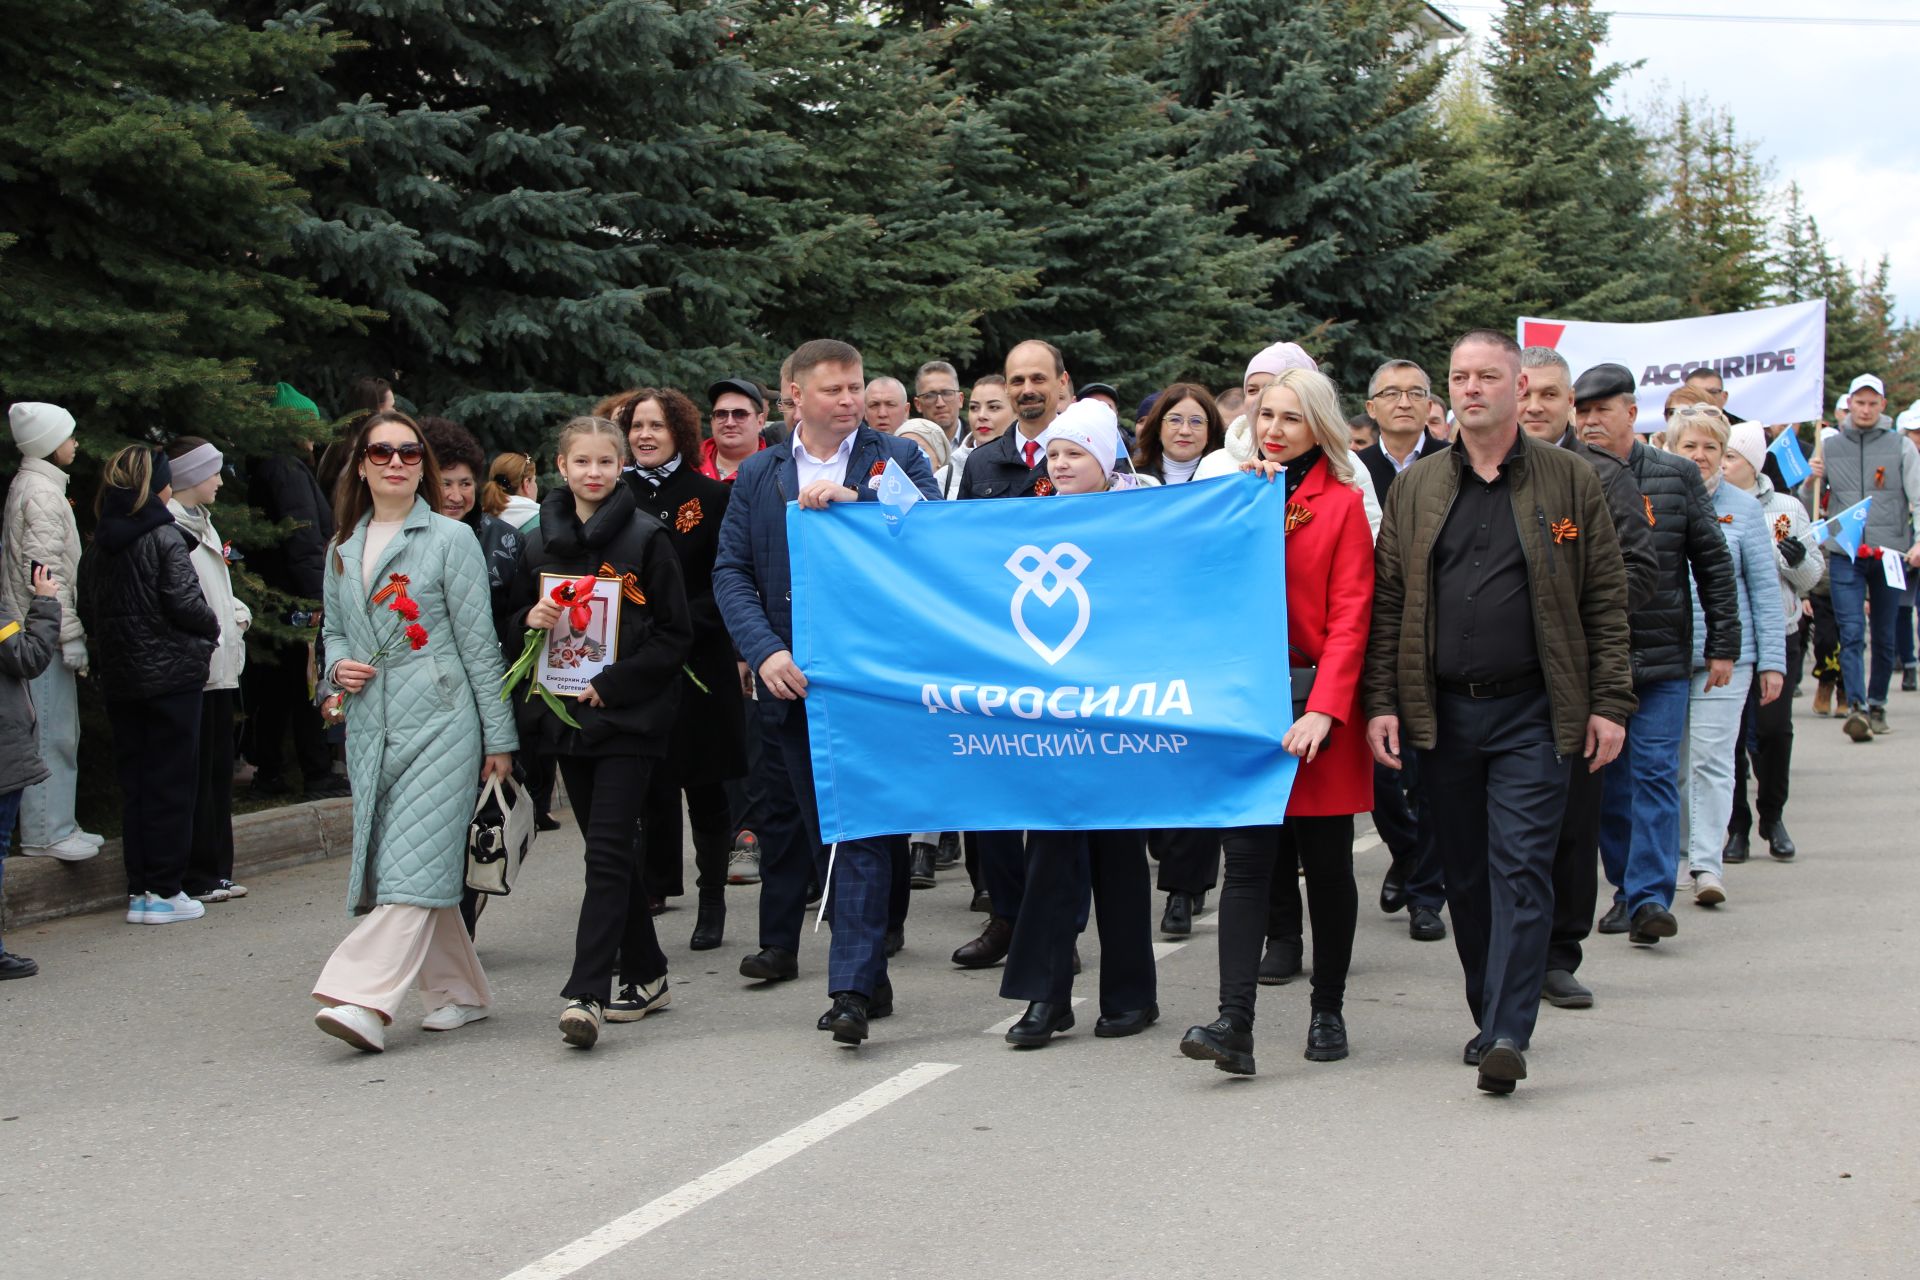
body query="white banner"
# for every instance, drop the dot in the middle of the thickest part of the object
(1773, 361)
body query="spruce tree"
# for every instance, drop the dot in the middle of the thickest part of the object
(1714, 205)
(547, 200)
(1332, 103)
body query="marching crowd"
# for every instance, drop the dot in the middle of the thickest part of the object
(1534, 640)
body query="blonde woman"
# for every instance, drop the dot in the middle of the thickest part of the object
(512, 492)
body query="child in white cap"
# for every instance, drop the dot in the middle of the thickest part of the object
(39, 526)
(1082, 446)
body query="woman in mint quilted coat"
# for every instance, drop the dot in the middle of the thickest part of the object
(425, 727)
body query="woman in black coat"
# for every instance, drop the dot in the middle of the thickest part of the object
(624, 716)
(152, 635)
(709, 741)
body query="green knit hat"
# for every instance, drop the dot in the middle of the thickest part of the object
(285, 397)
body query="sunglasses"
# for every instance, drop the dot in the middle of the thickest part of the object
(733, 415)
(410, 454)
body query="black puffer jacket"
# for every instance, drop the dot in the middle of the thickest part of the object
(641, 689)
(150, 629)
(1686, 539)
(284, 488)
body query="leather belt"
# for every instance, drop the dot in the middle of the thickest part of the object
(1493, 688)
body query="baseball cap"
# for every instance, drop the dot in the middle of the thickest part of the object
(1870, 382)
(751, 390)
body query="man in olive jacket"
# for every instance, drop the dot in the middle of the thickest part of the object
(1499, 652)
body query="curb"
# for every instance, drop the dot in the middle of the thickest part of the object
(40, 889)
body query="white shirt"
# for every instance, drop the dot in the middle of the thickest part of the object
(1419, 443)
(1020, 443)
(812, 468)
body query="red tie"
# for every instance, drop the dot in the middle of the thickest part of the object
(1031, 447)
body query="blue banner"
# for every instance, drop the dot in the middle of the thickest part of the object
(1114, 660)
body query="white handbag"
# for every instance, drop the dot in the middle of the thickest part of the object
(499, 836)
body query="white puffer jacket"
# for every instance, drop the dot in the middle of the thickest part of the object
(39, 526)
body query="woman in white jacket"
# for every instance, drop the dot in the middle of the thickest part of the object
(196, 479)
(1770, 726)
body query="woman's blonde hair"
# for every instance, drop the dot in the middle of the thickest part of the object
(505, 478)
(589, 425)
(1321, 405)
(1697, 417)
(131, 468)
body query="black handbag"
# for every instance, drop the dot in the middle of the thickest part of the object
(1302, 680)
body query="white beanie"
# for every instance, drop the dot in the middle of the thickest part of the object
(1090, 425)
(1278, 358)
(1750, 442)
(934, 435)
(39, 429)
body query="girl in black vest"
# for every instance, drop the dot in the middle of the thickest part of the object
(624, 718)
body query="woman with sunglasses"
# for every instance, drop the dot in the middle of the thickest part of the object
(425, 727)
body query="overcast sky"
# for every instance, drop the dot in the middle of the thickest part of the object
(1832, 106)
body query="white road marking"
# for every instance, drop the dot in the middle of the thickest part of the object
(624, 1230)
(1371, 840)
(1005, 1025)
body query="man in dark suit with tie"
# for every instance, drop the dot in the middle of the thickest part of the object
(1010, 466)
(829, 458)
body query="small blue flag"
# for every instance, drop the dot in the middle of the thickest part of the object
(1846, 529)
(898, 493)
(1793, 463)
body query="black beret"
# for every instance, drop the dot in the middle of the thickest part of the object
(1603, 382)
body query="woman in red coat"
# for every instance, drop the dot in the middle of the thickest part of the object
(1301, 436)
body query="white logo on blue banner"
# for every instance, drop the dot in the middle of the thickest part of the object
(1033, 567)
(1130, 673)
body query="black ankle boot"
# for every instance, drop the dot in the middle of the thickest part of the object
(709, 925)
(1226, 1042)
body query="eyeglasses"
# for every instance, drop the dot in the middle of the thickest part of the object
(411, 454)
(1393, 394)
(937, 395)
(788, 402)
(733, 415)
(1174, 420)
(1696, 411)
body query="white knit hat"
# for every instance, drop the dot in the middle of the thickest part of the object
(39, 429)
(1090, 425)
(935, 436)
(1749, 441)
(1278, 358)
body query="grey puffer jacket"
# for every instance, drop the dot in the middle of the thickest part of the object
(1687, 541)
(26, 649)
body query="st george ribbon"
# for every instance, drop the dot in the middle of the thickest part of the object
(1114, 660)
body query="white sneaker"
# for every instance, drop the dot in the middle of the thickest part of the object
(212, 895)
(637, 1000)
(451, 1017)
(151, 908)
(360, 1027)
(89, 837)
(234, 890)
(580, 1023)
(1709, 890)
(73, 848)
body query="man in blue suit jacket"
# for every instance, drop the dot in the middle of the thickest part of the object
(829, 458)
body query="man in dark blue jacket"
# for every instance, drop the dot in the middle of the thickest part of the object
(829, 458)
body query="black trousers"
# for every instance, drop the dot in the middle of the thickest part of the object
(1766, 738)
(660, 829)
(1404, 820)
(1189, 859)
(210, 858)
(540, 770)
(1576, 868)
(157, 786)
(1059, 865)
(277, 701)
(608, 793)
(1498, 788)
(1003, 870)
(1255, 858)
(746, 795)
(900, 888)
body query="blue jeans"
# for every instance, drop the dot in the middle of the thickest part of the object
(1640, 800)
(9, 810)
(1855, 586)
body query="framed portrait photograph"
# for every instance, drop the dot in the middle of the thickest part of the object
(572, 658)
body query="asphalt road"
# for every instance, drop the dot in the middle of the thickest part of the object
(1741, 1102)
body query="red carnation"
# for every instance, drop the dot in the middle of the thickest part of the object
(416, 635)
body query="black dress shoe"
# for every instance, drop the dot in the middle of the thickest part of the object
(1130, 1023)
(880, 1006)
(1779, 843)
(987, 950)
(982, 902)
(1393, 889)
(1227, 1046)
(1281, 963)
(1040, 1023)
(1425, 925)
(920, 867)
(1471, 1054)
(656, 905)
(708, 926)
(13, 966)
(1501, 1065)
(545, 822)
(848, 1020)
(1177, 920)
(1653, 921)
(1563, 991)
(1326, 1037)
(1615, 921)
(771, 964)
(1737, 847)
(896, 941)
(947, 853)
